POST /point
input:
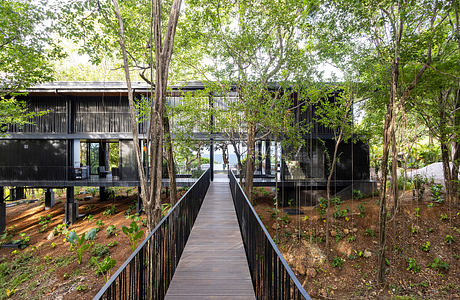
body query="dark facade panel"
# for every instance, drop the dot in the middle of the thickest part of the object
(55, 121)
(128, 165)
(353, 160)
(33, 160)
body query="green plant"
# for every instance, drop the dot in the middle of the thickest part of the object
(100, 250)
(431, 204)
(413, 229)
(103, 267)
(426, 247)
(361, 210)
(274, 213)
(99, 223)
(23, 240)
(80, 244)
(291, 202)
(417, 212)
(413, 266)
(285, 219)
(112, 244)
(44, 221)
(89, 217)
(82, 287)
(110, 211)
(134, 233)
(60, 229)
(369, 232)
(443, 217)
(323, 204)
(449, 239)
(337, 262)
(112, 230)
(8, 235)
(436, 193)
(351, 238)
(438, 264)
(53, 245)
(165, 207)
(357, 194)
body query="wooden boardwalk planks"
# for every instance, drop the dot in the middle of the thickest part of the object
(213, 264)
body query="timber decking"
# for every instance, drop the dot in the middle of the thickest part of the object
(213, 264)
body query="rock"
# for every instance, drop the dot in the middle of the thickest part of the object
(333, 233)
(344, 247)
(311, 272)
(301, 268)
(346, 231)
(355, 230)
(367, 253)
(50, 236)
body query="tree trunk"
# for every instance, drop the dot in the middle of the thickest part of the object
(394, 170)
(171, 164)
(198, 155)
(249, 176)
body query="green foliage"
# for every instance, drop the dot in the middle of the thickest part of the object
(165, 207)
(82, 287)
(89, 217)
(112, 230)
(369, 232)
(99, 224)
(104, 267)
(340, 213)
(417, 212)
(134, 233)
(60, 229)
(361, 210)
(337, 262)
(44, 221)
(80, 244)
(444, 217)
(357, 194)
(449, 239)
(426, 247)
(438, 264)
(112, 244)
(100, 250)
(23, 240)
(110, 211)
(8, 235)
(436, 193)
(412, 265)
(335, 201)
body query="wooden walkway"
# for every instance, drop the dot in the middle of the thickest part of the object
(213, 264)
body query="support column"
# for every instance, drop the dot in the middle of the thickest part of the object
(259, 156)
(211, 159)
(2, 211)
(139, 206)
(49, 199)
(17, 193)
(71, 207)
(268, 163)
(102, 193)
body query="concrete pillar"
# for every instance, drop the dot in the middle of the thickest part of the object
(2, 211)
(71, 207)
(139, 200)
(259, 156)
(49, 199)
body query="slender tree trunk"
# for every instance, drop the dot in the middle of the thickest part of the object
(145, 195)
(238, 159)
(249, 176)
(171, 164)
(198, 155)
(394, 170)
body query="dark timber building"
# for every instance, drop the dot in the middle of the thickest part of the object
(71, 144)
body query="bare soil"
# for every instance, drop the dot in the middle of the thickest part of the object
(354, 242)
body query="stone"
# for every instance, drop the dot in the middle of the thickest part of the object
(355, 230)
(50, 236)
(344, 247)
(333, 233)
(346, 231)
(311, 272)
(300, 268)
(367, 253)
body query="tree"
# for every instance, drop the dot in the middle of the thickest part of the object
(399, 38)
(252, 44)
(26, 53)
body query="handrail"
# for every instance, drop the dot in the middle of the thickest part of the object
(147, 272)
(272, 278)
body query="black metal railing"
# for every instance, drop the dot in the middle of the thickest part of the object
(272, 278)
(146, 274)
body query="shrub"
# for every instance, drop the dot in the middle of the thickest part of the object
(60, 229)
(436, 193)
(413, 266)
(361, 210)
(449, 239)
(133, 233)
(438, 264)
(100, 250)
(110, 211)
(369, 232)
(103, 267)
(426, 247)
(112, 230)
(337, 262)
(44, 221)
(80, 244)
